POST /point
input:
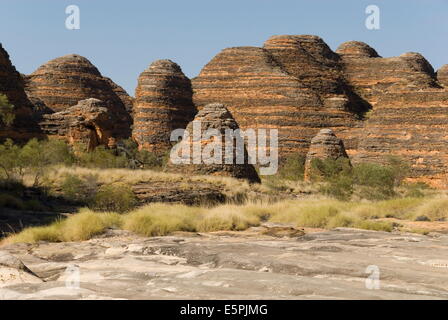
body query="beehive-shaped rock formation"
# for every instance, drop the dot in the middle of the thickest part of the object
(24, 126)
(212, 117)
(90, 122)
(62, 82)
(163, 102)
(260, 92)
(325, 145)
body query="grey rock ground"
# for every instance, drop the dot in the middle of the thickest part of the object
(232, 265)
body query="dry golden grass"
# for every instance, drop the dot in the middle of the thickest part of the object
(160, 219)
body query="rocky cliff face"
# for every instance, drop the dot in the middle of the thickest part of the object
(61, 83)
(24, 126)
(409, 110)
(263, 89)
(163, 102)
(202, 157)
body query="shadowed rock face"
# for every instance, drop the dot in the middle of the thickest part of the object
(89, 122)
(310, 60)
(325, 145)
(127, 100)
(163, 102)
(61, 83)
(24, 126)
(212, 117)
(260, 92)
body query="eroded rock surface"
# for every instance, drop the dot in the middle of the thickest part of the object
(163, 103)
(276, 87)
(62, 82)
(237, 265)
(89, 122)
(221, 161)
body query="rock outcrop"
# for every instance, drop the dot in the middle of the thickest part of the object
(442, 75)
(325, 145)
(231, 265)
(90, 122)
(163, 103)
(24, 126)
(62, 82)
(221, 161)
(262, 88)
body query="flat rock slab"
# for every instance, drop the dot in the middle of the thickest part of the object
(336, 264)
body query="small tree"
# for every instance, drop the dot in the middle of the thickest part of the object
(7, 115)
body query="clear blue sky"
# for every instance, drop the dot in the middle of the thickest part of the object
(123, 37)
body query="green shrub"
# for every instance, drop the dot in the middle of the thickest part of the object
(376, 181)
(11, 166)
(116, 197)
(103, 158)
(325, 169)
(7, 115)
(399, 167)
(340, 187)
(293, 169)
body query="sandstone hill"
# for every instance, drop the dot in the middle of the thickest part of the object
(62, 82)
(294, 83)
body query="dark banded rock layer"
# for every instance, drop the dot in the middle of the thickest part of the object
(213, 116)
(310, 60)
(325, 145)
(260, 93)
(413, 126)
(127, 100)
(62, 82)
(371, 76)
(24, 126)
(163, 102)
(90, 122)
